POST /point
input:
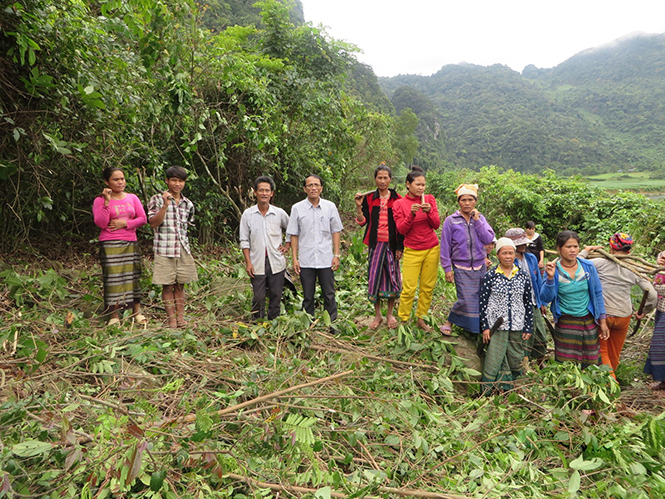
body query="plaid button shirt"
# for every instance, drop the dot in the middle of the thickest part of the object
(172, 233)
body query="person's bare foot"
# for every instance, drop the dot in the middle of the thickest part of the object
(423, 325)
(657, 386)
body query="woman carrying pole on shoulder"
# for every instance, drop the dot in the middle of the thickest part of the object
(576, 295)
(375, 211)
(416, 218)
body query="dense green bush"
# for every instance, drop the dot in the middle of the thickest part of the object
(510, 199)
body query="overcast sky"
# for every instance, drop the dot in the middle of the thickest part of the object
(421, 36)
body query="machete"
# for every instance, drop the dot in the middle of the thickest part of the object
(480, 350)
(639, 312)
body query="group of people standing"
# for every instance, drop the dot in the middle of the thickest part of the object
(589, 299)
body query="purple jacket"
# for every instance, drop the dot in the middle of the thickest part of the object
(463, 244)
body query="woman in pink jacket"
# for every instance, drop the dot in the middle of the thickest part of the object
(118, 214)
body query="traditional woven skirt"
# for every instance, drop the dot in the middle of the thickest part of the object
(655, 364)
(466, 310)
(121, 269)
(576, 340)
(383, 277)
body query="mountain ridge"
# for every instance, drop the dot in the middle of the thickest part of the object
(600, 110)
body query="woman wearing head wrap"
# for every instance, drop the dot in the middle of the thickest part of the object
(463, 238)
(617, 281)
(576, 296)
(505, 300)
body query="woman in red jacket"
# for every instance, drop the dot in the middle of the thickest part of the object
(375, 211)
(417, 217)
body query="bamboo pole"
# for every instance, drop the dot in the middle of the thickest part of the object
(305, 490)
(234, 408)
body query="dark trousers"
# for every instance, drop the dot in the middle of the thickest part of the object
(326, 277)
(273, 284)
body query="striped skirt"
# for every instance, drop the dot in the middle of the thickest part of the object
(576, 340)
(121, 270)
(383, 277)
(655, 364)
(466, 310)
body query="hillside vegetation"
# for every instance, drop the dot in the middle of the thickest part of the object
(141, 84)
(601, 110)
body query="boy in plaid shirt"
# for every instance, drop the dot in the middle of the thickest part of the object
(169, 214)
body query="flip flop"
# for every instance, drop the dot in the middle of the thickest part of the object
(140, 319)
(375, 324)
(113, 321)
(446, 330)
(393, 324)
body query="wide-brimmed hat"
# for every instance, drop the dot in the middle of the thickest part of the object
(518, 236)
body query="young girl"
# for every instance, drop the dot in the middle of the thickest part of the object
(417, 217)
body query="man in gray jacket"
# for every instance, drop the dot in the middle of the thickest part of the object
(617, 282)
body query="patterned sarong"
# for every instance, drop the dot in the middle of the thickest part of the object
(655, 364)
(121, 269)
(576, 340)
(383, 277)
(503, 361)
(466, 310)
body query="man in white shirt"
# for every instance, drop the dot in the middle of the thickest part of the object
(261, 239)
(315, 229)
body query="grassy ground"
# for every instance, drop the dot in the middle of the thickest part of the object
(227, 408)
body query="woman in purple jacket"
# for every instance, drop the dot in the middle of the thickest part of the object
(463, 238)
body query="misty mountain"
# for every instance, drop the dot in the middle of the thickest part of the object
(600, 110)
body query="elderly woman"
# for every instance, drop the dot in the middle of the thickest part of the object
(463, 238)
(617, 282)
(574, 289)
(416, 218)
(118, 214)
(386, 244)
(505, 296)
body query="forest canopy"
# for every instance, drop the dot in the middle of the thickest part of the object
(142, 85)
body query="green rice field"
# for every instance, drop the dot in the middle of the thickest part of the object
(633, 181)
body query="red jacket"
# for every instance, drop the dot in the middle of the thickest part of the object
(418, 229)
(370, 208)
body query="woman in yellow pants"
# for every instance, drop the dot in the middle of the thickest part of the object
(416, 218)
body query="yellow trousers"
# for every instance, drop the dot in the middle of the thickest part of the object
(423, 265)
